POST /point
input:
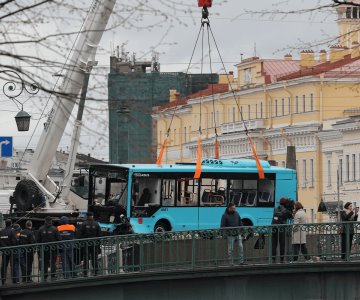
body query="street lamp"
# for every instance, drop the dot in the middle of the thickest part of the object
(13, 88)
(22, 120)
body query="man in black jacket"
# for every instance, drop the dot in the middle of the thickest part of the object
(231, 219)
(48, 233)
(282, 214)
(347, 215)
(27, 238)
(90, 229)
(7, 239)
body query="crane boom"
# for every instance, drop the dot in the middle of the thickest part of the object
(84, 52)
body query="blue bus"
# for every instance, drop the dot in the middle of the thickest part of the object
(158, 198)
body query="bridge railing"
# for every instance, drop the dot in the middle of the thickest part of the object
(116, 255)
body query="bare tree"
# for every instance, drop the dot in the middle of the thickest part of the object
(38, 35)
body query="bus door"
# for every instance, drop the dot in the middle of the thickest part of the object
(213, 201)
(185, 212)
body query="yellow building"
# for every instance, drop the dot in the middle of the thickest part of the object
(283, 102)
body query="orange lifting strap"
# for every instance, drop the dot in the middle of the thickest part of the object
(198, 168)
(158, 161)
(258, 164)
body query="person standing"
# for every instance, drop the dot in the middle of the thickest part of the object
(231, 219)
(27, 238)
(282, 214)
(16, 255)
(90, 229)
(7, 239)
(67, 233)
(48, 233)
(299, 233)
(347, 215)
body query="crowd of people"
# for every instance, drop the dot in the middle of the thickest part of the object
(21, 259)
(292, 216)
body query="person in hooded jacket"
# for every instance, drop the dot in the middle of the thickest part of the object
(231, 219)
(67, 233)
(48, 233)
(7, 239)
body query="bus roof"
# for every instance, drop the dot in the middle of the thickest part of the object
(208, 165)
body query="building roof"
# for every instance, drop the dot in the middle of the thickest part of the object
(210, 90)
(346, 67)
(273, 68)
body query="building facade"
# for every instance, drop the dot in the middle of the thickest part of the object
(134, 87)
(305, 103)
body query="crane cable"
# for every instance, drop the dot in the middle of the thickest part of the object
(163, 146)
(198, 169)
(258, 163)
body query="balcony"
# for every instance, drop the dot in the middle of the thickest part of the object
(239, 126)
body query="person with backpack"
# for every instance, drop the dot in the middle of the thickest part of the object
(282, 214)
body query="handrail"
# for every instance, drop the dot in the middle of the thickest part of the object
(120, 255)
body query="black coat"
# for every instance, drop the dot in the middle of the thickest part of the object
(89, 229)
(8, 237)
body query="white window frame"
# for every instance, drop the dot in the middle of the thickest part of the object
(247, 76)
(304, 173)
(311, 172)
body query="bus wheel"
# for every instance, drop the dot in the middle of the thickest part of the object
(162, 227)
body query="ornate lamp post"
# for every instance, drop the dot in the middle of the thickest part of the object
(12, 91)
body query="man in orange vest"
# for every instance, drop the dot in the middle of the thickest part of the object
(67, 233)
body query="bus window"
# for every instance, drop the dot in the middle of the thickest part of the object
(187, 192)
(149, 191)
(168, 192)
(244, 192)
(213, 192)
(266, 193)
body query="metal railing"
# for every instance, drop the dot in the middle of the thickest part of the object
(116, 255)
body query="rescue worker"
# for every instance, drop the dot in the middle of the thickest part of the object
(67, 233)
(7, 239)
(90, 229)
(16, 256)
(48, 233)
(27, 237)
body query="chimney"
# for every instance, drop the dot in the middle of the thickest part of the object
(323, 56)
(307, 59)
(337, 52)
(288, 56)
(174, 95)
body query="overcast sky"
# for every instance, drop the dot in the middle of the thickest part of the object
(236, 31)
